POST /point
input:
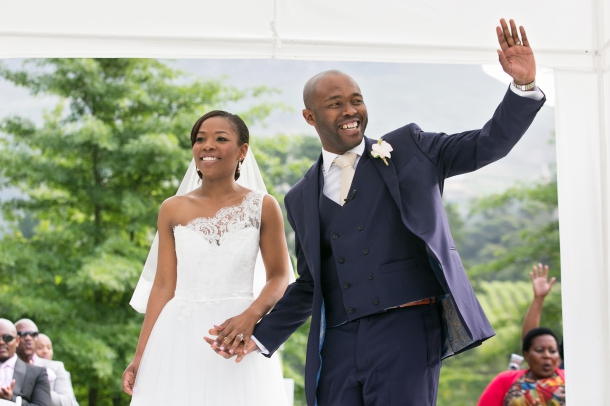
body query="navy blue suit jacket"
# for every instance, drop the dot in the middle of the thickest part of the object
(420, 163)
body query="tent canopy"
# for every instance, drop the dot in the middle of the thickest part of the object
(393, 31)
(572, 37)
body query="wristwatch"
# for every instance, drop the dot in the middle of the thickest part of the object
(528, 86)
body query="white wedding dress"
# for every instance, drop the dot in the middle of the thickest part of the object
(216, 259)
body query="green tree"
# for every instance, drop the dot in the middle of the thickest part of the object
(513, 230)
(283, 160)
(91, 180)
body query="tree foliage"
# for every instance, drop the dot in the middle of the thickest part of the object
(91, 179)
(508, 232)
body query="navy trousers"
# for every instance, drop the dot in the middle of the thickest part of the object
(386, 359)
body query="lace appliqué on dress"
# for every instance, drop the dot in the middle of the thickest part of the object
(229, 219)
(222, 268)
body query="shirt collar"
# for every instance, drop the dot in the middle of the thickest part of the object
(36, 360)
(329, 157)
(10, 363)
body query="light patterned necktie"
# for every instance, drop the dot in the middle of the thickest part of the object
(346, 163)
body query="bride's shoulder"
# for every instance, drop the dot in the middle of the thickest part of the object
(175, 204)
(271, 208)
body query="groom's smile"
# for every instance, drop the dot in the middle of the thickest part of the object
(335, 107)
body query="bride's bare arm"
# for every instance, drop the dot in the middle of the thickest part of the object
(275, 257)
(162, 290)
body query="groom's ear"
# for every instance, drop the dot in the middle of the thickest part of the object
(309, 117)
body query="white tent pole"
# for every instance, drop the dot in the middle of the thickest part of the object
(602, 44)
(582, 168)
(581, 215)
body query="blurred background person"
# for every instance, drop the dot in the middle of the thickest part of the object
(44, 347)
(542, 384)
(62, 393)
(542, 287)
(18, 378)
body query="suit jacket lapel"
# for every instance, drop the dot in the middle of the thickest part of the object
(19, 376)
(388, 173)
(311, 211)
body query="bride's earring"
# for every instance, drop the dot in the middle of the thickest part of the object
(239, 166)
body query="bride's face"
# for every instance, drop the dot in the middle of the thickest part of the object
(216, 149)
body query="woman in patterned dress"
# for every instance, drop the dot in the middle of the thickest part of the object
(543, 384)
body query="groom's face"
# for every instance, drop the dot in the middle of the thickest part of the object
(338, 112)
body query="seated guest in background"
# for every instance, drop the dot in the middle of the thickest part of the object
(543, 384)
(18, 378)
(61, 385)
(44, 347)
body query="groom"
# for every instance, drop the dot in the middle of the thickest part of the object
(378, 269)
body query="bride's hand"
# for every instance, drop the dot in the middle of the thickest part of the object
(129, 376)
(235, 331)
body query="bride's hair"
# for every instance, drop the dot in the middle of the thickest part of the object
(234, 119)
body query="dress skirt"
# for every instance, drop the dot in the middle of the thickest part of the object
(179, 368)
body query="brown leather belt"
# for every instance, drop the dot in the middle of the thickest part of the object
(427, 301)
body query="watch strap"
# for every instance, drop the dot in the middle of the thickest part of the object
(526, 87)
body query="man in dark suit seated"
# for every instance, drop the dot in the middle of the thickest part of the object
(62, 393)
(18, 378)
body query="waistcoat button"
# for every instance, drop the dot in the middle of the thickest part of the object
(351, 310)
(376, 301)
(365, 251)
(341, 260)
(335, 236)
(347, 285)
(360, 228)
(370, 276)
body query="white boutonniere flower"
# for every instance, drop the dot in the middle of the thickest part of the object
(382, 150)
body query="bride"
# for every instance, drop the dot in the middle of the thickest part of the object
(208, 241)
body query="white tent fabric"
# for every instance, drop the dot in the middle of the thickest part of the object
(572, 37)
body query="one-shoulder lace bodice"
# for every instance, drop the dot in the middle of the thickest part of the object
(216, 255)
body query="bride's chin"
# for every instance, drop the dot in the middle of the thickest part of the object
(215, 176)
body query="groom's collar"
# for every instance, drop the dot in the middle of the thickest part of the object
(329, 157)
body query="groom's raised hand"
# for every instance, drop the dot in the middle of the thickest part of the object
(516, 56)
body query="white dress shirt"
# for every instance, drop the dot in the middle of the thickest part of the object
(332, 173)
(7, 370)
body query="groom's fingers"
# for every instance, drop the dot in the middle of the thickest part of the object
(246, 350)
(246, 343)
(216, 349)
(236, 341)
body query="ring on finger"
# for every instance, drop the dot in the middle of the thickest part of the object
(517, 41)
(241, 337)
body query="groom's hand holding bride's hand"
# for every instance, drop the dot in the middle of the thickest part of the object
(233, 336)
(241, 350)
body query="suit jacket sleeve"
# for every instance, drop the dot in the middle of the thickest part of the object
(62, 393)
(41, 394)
(293, 309)
(465, 152)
